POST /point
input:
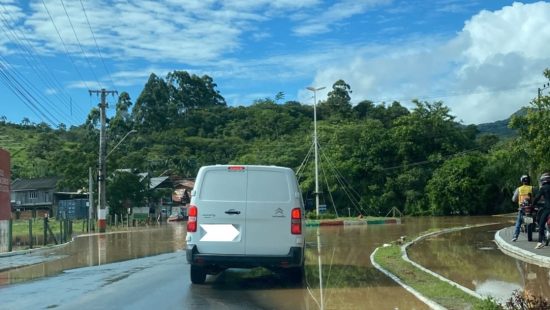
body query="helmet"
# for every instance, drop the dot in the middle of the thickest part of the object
(544, 178)
(525, 179)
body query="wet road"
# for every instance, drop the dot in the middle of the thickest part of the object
(162, 281)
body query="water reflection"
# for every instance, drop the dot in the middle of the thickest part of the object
(471, 258)
(349, 281)
(102, 249)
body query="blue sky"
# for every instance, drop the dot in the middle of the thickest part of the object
(484, 59)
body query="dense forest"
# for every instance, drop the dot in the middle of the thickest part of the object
(372, 157)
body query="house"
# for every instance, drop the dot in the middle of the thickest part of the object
(160, 202)
(31, 198)
(182, 191)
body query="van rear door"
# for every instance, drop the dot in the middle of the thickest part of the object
(221, 204)
(271, 198)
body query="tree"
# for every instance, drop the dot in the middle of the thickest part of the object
(189, 91)
(93, 118)
(337, 104)
(459, 187)
(154, 110)
(429, 131)
(121, 123)
(534, 132)
(125, 190)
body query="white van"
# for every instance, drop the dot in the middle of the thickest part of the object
(244, 216)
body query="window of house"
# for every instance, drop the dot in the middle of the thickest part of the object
(33, 195)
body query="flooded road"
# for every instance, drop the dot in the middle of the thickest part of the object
(348, 279)
(101, 249)
(470, 258)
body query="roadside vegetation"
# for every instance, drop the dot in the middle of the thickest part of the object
(443, 293)
(439, 291)
(373, 157)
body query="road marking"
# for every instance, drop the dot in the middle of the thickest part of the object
(219, 232)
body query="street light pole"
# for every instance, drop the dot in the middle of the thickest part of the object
(316, 146)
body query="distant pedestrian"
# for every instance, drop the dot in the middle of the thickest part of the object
(523, 192)
(543, 193)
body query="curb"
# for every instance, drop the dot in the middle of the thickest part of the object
(519, 253)
(440, 277)
(352, 222)
(432, 304)
(36, 250)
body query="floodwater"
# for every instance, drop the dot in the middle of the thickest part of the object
(339, 273)
(470, 258)
(99, 249)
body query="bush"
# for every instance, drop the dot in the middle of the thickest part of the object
(488, 304)
(524, 300)
(324, 216)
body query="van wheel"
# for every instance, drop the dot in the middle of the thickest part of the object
(198, 274)
(295, 275)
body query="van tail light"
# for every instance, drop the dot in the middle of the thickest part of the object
(192, 218)
(296, 221)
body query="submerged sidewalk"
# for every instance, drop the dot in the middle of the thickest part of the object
(15, 259)
(522, 249)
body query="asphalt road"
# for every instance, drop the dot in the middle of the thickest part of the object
(160, 281)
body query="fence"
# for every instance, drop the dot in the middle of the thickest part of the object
(31, 233)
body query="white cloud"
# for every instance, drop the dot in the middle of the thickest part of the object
(188, 32)
(486, 72)
(322, 20)
(520, 28)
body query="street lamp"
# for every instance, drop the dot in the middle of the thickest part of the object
(545, 86)
(119, 142)
(102, 188)
(314, 90)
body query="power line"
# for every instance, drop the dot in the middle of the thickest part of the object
(80, 45)
(43, 72)
(97, 45)
(425, 162)
(28, 86)
(64, 45)
(458, 94)
(24, 95)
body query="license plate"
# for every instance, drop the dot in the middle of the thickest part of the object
(528, 220)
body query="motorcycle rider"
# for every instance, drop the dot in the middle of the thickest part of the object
(525, 191)
(544, 192)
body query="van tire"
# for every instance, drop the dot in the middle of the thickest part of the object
(295, 275)
(198, 274)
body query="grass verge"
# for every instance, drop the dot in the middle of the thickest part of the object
(441, 292)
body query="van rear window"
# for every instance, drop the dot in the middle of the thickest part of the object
(221, 185)
(268, 186)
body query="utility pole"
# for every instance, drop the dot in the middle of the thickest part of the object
(90, 199)
(102, 169)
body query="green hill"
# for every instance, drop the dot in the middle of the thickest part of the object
(500, 128)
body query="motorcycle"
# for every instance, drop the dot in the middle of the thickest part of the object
(531, 221)
(530, 218)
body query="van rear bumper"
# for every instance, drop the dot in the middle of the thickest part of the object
(294, 258)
